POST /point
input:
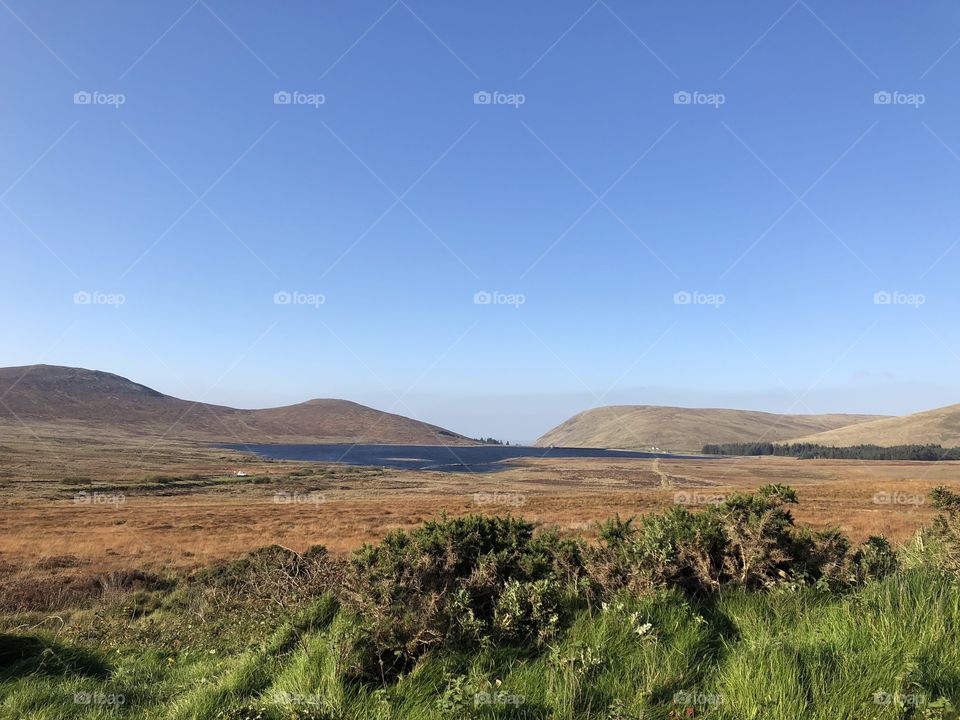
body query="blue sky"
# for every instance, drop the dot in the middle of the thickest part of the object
(634, 248)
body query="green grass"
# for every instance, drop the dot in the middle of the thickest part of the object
(783, 654)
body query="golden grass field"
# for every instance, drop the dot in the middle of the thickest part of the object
(83, 504)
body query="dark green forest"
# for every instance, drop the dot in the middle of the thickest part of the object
(854, 452)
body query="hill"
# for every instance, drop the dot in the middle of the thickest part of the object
(931, 427)
(109, 403)
(685, 429)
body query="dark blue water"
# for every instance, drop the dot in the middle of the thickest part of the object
(457, 458)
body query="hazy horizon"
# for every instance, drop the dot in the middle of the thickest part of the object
(492, 415)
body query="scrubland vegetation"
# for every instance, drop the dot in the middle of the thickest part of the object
(733, 611)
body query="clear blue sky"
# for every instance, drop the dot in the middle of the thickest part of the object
(794, 201)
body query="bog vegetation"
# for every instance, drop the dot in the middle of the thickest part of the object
(732, 611)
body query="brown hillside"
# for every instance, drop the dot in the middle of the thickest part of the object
(104, 401)
(684, 429)
(932, 427)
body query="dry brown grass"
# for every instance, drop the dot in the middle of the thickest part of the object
(940, 426)
(685, 429)
(157, 527)
(85, 399)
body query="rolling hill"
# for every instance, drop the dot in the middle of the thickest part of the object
(106, 402)
(685, 429)
(931, 427)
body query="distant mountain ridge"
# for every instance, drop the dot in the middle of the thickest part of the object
(686, 429)
(102, 400)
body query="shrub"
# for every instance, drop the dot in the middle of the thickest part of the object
(748, 540)
(874, 559)
(528, 610)
(458, 583)
(944, 533)
(944, 499)
(302, 472)
(170, 479)
(821, 556)
(285, 578)
(163, 479)
(761, 542)
(681, 549)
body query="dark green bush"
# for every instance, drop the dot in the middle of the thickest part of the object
(462, 584)
(943, 535)
(457, 583)
(874, 559)
(748, 540)
(944, 499)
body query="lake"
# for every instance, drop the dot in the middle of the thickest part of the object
(439, 458)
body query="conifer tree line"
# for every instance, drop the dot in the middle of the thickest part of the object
(854, 452)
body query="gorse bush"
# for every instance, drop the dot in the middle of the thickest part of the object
(467, 583)
(873, 560)
(678, 548)
(944, 534)
(748, 540)
(457, 583)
